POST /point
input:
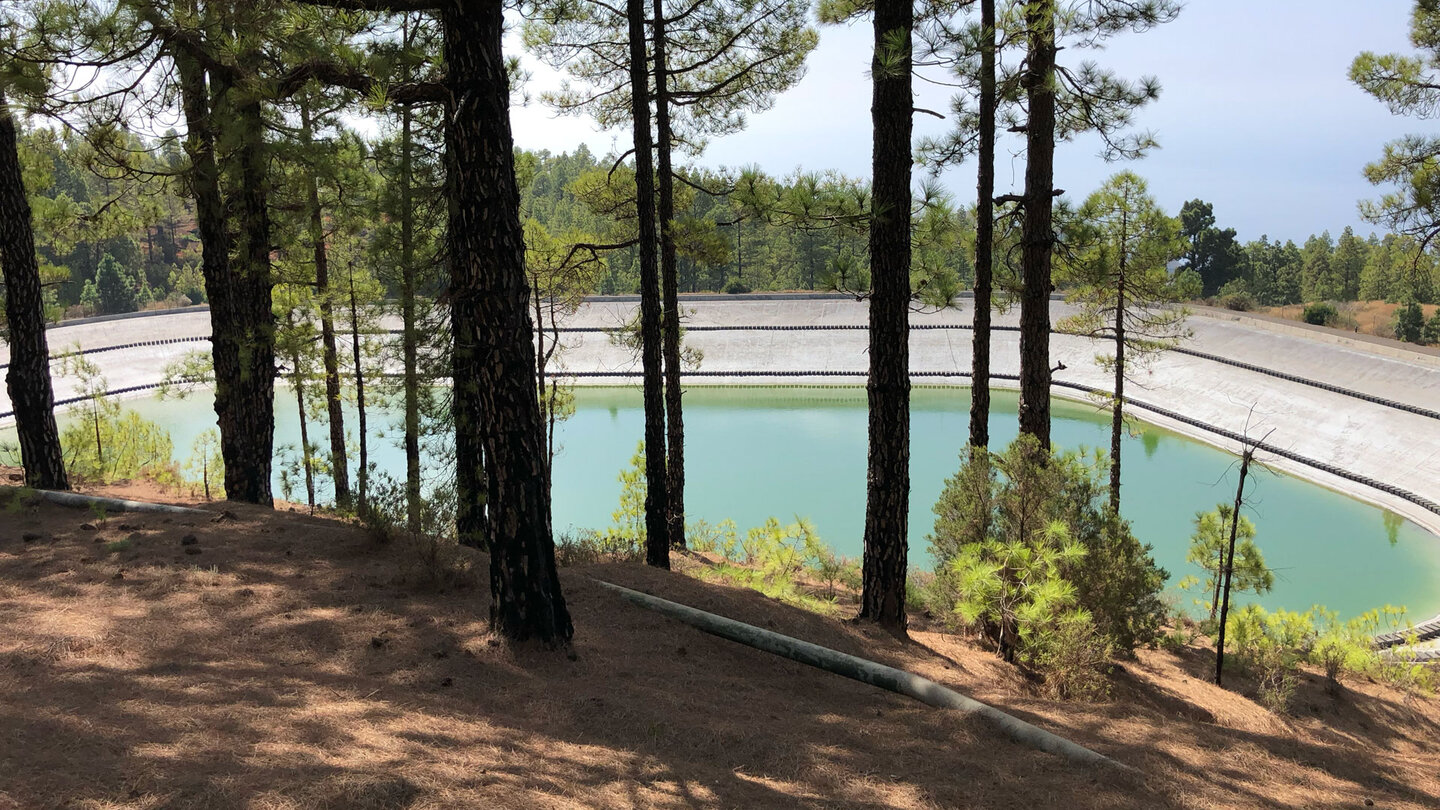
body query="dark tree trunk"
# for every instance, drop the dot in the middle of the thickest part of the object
(984, 236)
(241, 323)
(499, 439)
(657, 490)
(339, 462)
(409, 337)
(888, 491)
(28, 378)
(362, 472)
(670, 283)
(1229, 561)
(298, 380)
(1117, 416)
(254, 400)
(1037, 232)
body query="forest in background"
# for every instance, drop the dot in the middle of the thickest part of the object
(112, 242)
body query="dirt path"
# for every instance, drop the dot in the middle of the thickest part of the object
(282, 661)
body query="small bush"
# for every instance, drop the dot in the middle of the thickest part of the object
(720, 538)
(1321, 314)
(588, 547)
(1271, 646)
(1024, 537)
(736, 288)
(1410, 323)
(1175, 640)
(118, 545)
(1239, 302)
(1075, 659)
(1187, 285)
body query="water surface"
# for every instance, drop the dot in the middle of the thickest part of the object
(756, 452)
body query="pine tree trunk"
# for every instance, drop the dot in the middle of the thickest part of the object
(242, 337)
(984, 236)
(254, 395)
(410, 335)
(657, 490)
(670, 283)
(339, 463)
(28, 379)
(888, 490)
(362, 472)
(1037, 232)
(498, 435)
(1117, 420)
(305, 461)
(1229, 561)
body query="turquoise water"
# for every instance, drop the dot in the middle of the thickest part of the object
(756, 452)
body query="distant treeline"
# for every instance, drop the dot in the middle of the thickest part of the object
(112, 242)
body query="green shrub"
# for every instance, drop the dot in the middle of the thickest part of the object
(588, 547)
(831, 569)
(106, 443)
(1008, 524)
(720, 538)
(1208, 547)
(109, 444)
(1075, 658)
(1187, 285)
(1321, 314)
(1432, 328)
(1239, 302)
(1410, 322)
(736, 288)
(1270, 646)
(628, 519)
(1397, 666)
(1340, 648)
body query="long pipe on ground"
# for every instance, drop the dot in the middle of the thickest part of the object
(896, 680)
(115, 504)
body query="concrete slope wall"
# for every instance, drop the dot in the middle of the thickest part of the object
(1371, 440)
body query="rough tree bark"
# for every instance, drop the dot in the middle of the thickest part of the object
(670, 283)
(254, 396)
(28, 378)
(242, 337)
(657, 490)
(1037, 232)
(498, 433)
(984, 236)
(888, 388)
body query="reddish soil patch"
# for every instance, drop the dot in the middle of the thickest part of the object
(294, 663)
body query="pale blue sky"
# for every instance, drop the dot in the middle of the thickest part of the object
(1257, 115)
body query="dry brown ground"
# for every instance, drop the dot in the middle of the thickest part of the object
(1370, 317)
(294, 663)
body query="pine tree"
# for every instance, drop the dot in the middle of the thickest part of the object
(1208, 551)
(114, 288)
(1123, 245)
(728, 57)
(1059, 101)
(1409, 86)
(888, 385)
(27, 380)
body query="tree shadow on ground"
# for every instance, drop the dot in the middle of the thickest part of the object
(294, 663)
